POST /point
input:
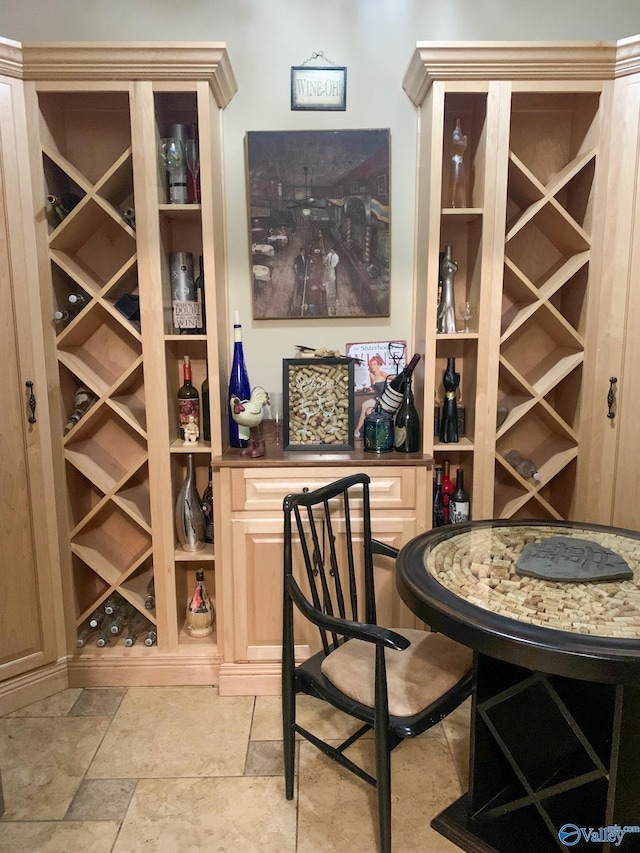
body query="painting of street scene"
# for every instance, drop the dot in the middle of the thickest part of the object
(319, 220)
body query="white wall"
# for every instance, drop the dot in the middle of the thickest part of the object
(374, 39)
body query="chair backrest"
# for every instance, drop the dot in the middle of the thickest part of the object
(335, 550)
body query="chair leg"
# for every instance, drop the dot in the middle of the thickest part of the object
(289, 740)
(383, 777)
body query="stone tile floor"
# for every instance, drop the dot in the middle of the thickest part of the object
(169, 769)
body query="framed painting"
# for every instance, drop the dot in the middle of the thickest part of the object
(315, 87)
(319, 223)
(318, 403)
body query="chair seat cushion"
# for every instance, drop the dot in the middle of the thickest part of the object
(416, 677)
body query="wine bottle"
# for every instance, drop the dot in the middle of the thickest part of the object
(112, 604)
(406, 437)
(199, 288)
(137, 626)
(449, 416)
(184, 301)
(63, 204)
(438, 511)
(188, 398)
(96, 618)
(152, 638)
(83, 400)
(150, 597)
(459, 503)
(104, 638)
(200, 613)
(207, 508)
(77, 299)
(238, 387)
(523, 465)
(447, 490)
(120, 618)
(394, 390)
(85, 634)
(129, 216)
(61, 316)
(189, 516)
(206, 410)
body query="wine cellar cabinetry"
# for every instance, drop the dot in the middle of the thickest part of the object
(523, 246)
(105, 268)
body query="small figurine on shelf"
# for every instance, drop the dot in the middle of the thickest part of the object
(200, 612)
(191, 431)
(449, 419)
(248, 414)
(457, 177)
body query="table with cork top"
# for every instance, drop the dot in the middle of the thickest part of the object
(552, 611)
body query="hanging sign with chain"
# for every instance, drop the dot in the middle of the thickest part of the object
(318, 87)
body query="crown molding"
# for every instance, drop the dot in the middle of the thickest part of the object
(104, 61)
(10, 58)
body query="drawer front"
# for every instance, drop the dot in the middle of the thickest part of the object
(265, 488)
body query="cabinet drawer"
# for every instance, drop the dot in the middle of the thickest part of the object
(266, 488)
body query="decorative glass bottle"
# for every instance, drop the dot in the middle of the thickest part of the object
(378, 430)
(238, 387)
(449, 419)
(200, 612)
(447, 304)
(457, 177)
(407, 424)
(189, 515)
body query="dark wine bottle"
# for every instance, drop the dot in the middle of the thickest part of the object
(150, 597)
(188, 398)
(206, 410)
(96, 619)
(112, 604)
(137, 626)
(63, 204)
(207, 508)
(85, 633)
(394, 390)
(238, 387)
(184, 301)
(447, 490)
(438, 511)
(199, 286)
(77, 299)
(406, 437)
(449, 418)
(152, 638)
(459, 503)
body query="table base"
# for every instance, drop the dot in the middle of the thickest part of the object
(546, 752)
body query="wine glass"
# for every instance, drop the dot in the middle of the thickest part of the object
(275, 407)
(171, 153)
(192, 154)
(467, 312)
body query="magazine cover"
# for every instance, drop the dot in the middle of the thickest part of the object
(375, 361)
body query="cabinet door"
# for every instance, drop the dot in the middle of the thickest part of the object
(26, 597)
(258, 549)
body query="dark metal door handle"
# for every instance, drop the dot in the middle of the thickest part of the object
(611, 397)
(32, 401)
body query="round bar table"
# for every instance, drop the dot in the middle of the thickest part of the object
(555, 725)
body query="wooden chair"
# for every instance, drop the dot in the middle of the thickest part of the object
(400, 692)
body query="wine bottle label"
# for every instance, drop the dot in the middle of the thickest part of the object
(188, 407)
(459, 511)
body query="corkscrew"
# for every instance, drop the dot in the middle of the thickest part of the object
(611, 397)
(32, 401)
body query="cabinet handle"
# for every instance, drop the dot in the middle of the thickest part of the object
(32, 401)
(611, 397)
(305, 490)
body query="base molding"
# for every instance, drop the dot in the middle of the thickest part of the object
(250, 679)
(33, 686)
(150, 670)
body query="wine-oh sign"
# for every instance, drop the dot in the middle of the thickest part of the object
(318, 87)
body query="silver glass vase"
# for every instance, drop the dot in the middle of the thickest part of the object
(189, 515)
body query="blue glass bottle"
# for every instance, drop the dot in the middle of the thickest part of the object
(238, 386)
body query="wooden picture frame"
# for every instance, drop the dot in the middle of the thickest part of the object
(318, 87)
(318, 404)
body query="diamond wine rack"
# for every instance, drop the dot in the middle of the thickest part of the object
(552, 159)
(86, 151)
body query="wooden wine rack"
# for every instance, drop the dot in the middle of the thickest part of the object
(523, 248)
(98, 128)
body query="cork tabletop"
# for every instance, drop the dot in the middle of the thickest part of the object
(479, 566)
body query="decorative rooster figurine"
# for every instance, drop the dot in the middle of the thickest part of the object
(249, 414)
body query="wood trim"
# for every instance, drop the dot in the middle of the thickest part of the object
(246, 679)
(155, 670)
(33, 686)
(469, 60)
(105, 61)
(10, 58)
(628, 56)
